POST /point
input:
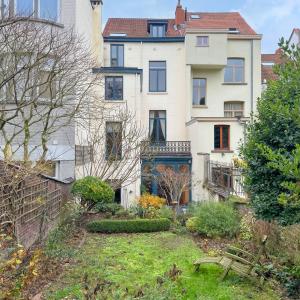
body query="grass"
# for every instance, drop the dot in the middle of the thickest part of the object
(134, 262)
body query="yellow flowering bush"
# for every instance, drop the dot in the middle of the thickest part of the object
(150, 201)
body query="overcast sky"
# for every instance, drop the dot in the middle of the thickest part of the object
(272, 18)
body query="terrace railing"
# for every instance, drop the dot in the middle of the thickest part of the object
(225, 179)
(167, 148)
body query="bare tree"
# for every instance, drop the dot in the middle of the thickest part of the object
(174, 183)
(114, 137)
(45, 79)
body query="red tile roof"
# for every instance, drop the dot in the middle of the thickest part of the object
(220, 21)
(135, 27)
(138, 27)
(267, 72)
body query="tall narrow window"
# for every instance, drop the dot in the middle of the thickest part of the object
(49, 9)
(117, 55)
(113, 88)
(233, 109)
(199, 91)
(222, 137)
(157, 126)
(158, 30)
(235, 70)
(157, 76)
(24, 7)
(113, 140)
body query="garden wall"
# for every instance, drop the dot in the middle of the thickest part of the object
(31, 208)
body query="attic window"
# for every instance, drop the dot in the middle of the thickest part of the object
(195, 17)
(158, 30)
(118, 34)
(233, 30)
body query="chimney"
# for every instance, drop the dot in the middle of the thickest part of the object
(179, 15)
(97, 42)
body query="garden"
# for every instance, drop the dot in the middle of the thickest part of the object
(209, 250)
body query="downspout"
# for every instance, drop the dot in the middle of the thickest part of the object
(252, 78)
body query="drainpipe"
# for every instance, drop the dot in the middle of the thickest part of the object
(252, 78)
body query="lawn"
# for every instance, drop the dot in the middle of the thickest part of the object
(137, 264)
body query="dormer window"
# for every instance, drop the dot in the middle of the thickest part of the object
(157, 30)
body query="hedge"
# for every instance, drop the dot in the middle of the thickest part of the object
(129, 226)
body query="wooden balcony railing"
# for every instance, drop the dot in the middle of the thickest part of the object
(167, 148)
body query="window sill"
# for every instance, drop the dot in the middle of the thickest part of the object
(200, 106)
(114, 101)
(234, 83)
(222, 151)
(157, 93)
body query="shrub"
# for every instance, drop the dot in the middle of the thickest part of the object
(112, 208)
(272, 149)
(166, 212)
(216, 219)
(129, 226)
(191, 224)
(92, 190)
(147, 201)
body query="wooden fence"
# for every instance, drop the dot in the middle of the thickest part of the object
(30, 208)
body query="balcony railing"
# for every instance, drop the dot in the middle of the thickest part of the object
(225, 179)
(167, 148)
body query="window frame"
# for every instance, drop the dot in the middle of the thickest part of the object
(34, 8)
(163, 26)
(234, 67)
(113, 156)
(233, 111)
(155, 120)
(157, 79)
(111, 49)
(197, 105)
(222, 148)
(58, 11)
(202, 37)
(113, 99)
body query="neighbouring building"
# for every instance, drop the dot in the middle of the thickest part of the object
(193, 82)
(84, 16)
(295, 37)
(268, 61)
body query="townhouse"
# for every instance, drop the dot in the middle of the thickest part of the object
(193, 82)
(84, 17)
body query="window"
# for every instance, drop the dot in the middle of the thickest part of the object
(4, 7)
(49, 9)
(202, 41)
(83, 155)
(158, 30)
(113, 140)
(222, 137)
(24, 7)
(235, 70)
(114, 88)
(117, 55)
(199, 91)
(157, 76)
(157, 126)
(233, 109)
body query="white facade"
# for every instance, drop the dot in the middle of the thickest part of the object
(85, 19)
(184, 62)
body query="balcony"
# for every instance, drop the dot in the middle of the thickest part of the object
(225, 179)
(174, 148)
